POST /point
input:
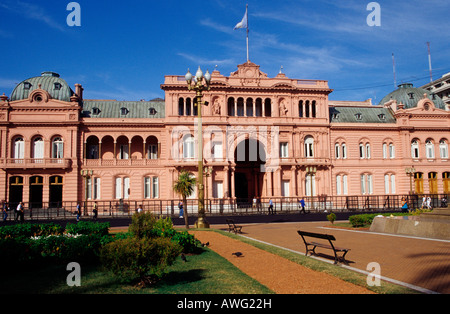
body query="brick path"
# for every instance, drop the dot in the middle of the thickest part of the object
(420, 262)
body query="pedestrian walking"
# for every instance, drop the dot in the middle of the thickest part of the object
(302, 205)
(95, 211)
(139, 209)
(5, 211)
(20, 212)
(180, 208)
(270, 207)
(424, 202)
(429, 203)
(78, 211)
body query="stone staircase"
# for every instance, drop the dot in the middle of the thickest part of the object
(440, 214)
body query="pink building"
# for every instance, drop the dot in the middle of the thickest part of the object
(262, 136)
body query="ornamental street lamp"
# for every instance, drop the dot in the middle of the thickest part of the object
(207, 172)
(86, 174)
(410, 171)
(199, 87)
(311, 171)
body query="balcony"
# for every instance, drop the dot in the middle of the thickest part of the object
(120, 162)
(35, 163)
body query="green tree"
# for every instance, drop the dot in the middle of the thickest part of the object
(185, 187)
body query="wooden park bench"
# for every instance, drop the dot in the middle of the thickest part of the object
(232, 226)
(330, 246)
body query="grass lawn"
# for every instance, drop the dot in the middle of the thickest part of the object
(205, 273)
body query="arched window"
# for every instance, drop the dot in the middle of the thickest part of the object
(344, 151)
(414, 149)
(19, 148)
(429, 148)
(181, 106)
(391, 151)
(309, 147)
(443, 149)
(38, 148)
(57, 147)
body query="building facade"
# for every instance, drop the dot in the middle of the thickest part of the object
(262, 136)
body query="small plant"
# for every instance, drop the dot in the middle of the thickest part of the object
(142, 258)
(331, 217)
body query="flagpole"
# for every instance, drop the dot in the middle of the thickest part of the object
(246, 9)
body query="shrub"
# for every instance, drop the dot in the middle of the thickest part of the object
(331, 217)
(28, 230)
(146, 225)
(143, 225)
(143, 258)
(88, 227)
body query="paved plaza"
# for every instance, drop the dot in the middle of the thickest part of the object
(419, 263)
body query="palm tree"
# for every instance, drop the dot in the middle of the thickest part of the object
(185, 186)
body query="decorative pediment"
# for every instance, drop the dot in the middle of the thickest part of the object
(248, 70)
(39, 96)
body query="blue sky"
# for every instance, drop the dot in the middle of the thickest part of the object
(123, 49)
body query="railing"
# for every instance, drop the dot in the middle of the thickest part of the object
(121, 162)
(224, 206)
(26, 163)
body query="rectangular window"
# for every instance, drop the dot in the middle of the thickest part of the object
(152, 151)
(391, 151)
(89, 188)
(123, 152)
(285, 188)
(155, 187)
(218, 189)
(393, 184)
(126, 188)
(118, 188)
(284, 150)
(96, 190)
(344, 184)
(338, 185)
(147, 187)
(217, 150)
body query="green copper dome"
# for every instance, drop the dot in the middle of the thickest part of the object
(409, 96)
(49, 81)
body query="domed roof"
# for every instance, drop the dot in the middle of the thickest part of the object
(409, 96)
(49, 81)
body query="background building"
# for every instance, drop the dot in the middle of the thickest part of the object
(262, 136)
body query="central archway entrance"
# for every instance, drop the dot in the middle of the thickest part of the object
(249, 156)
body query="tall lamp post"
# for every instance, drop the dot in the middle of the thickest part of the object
(410, 171)
(199, 87)
(311, 171)
(86, 174)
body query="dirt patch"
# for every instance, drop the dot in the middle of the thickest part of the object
(275, 272)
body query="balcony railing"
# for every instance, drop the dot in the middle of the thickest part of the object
(35, 163)
(120, 162)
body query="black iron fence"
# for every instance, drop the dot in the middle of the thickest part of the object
(225, 206)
